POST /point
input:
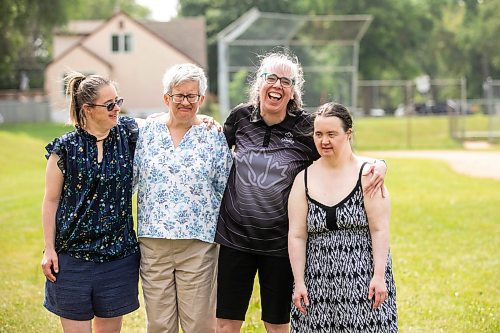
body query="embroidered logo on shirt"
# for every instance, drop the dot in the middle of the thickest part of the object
(288, 139)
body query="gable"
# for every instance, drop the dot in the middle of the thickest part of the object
(186, 35)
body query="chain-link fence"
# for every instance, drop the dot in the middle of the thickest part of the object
(327, 47)
(468, 119)
(411, 97)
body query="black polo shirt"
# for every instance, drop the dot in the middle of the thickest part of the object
(254, 215)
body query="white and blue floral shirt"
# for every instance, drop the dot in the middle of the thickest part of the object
(180, 188)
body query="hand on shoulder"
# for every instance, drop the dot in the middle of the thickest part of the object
(159, 116)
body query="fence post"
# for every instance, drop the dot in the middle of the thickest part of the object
(409, 113)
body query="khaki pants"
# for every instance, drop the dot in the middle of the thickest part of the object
(179, 284)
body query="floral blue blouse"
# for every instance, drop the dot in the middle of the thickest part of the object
(180, 188)
(94, 218)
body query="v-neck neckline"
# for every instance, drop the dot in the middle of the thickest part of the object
(184, 137)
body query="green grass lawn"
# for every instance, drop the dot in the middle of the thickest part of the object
(444, 235)
(393, 133)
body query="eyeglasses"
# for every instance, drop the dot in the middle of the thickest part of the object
(178, 98)
(111, 105)
(273, 78)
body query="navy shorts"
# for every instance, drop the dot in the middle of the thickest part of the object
(84, 289)
(235, 279)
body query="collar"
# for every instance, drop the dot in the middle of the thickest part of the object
(287, 123)
(89, 136)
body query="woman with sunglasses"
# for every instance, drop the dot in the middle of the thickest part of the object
(91, 256)
(271, 140)
(180, 169)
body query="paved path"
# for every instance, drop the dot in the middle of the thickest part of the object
(483, 164)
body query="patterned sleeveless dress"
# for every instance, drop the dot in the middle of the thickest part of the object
(338, 271)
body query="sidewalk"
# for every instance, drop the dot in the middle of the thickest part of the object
(480, 164)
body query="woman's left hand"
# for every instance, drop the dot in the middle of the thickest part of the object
(378, 289)
(377, 170)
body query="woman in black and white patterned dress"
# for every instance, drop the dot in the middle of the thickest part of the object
(339, 239)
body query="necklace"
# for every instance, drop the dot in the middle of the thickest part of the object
(102, 137)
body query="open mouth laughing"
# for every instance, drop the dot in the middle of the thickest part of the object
(274, 96)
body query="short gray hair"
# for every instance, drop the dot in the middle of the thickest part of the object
(283, 60)
(181, 73)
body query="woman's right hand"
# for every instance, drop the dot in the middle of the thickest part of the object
(300, 298)
(50, 264)
(377, 289)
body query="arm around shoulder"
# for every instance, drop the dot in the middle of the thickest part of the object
(377, 171)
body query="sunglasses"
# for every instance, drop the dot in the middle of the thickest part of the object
(111, 105)
(286, 82)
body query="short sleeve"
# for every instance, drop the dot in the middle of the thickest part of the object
(58, 148)
(131, 128)
(230, 126)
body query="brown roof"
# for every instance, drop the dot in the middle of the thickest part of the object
(186, 34)
(192, 41)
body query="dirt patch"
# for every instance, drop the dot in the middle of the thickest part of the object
(480, 164)
(477, 145)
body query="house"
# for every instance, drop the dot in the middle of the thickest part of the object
(134, 53)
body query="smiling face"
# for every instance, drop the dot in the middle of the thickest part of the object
(330, 137)
(274, 98)
(99, 115)
(184, 111)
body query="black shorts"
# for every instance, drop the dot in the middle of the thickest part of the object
(236, 274)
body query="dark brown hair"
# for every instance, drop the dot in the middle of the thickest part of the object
(332, 109)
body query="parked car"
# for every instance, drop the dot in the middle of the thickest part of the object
(436, 108)
(377, 112)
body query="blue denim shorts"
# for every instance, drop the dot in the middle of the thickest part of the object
(84, 289)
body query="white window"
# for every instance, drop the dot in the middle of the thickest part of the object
(127, 43)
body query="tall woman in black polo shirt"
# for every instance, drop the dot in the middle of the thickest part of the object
(91, 257)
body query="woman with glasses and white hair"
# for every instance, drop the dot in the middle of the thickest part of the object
(91, 255)
(272, 145)
(180, 170)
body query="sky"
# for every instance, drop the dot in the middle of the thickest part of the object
(161, 10)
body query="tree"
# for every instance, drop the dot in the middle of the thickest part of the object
(478, 40)
(219, 14)
(103, 9)
(398, 28)
(26, 25)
